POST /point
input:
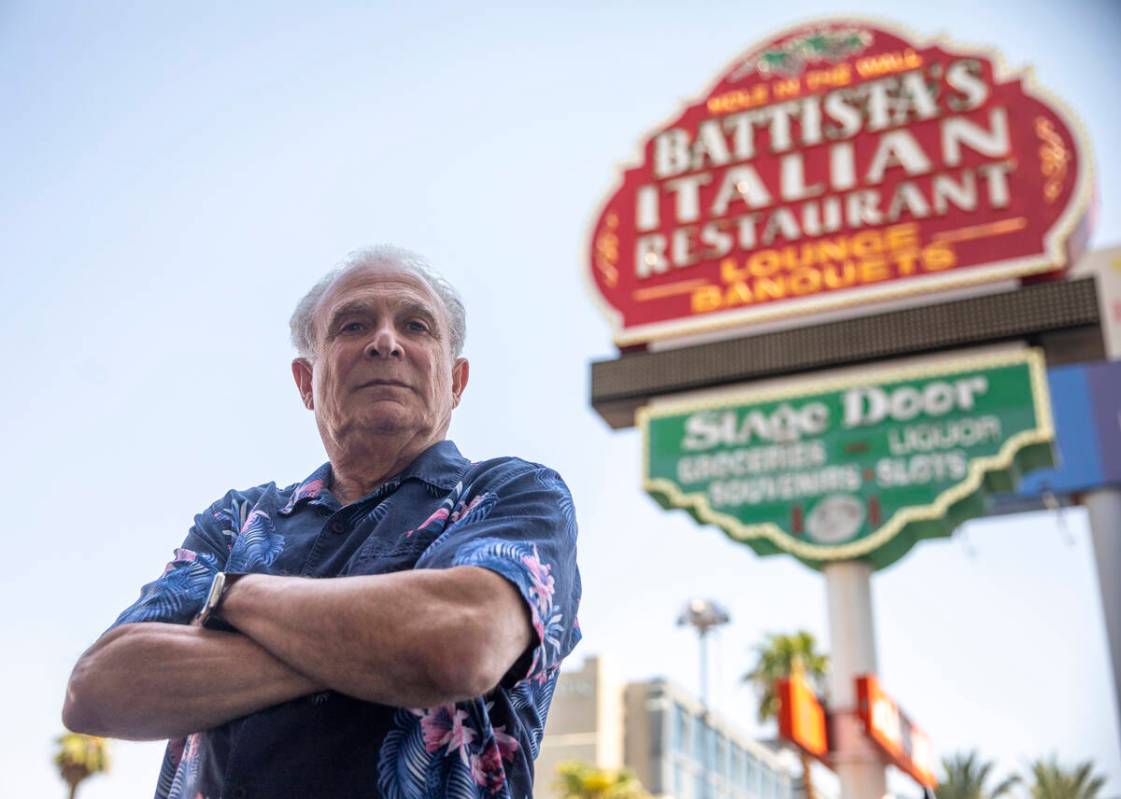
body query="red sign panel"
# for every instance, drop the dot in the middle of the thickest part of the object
(840, 163)
(903, 742)
(801, 718)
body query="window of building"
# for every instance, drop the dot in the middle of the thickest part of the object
(678, 781)
(751, 774)
(721, 755)
(680, 729)
(768, 787)
(699, 734)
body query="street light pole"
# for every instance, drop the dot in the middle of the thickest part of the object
(703, 615)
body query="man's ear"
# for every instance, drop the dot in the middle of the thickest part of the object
(461, 370)
(301, 372)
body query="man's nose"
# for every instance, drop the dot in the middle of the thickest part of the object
(384, 344)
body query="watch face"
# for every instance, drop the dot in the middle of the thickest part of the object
(835, 519)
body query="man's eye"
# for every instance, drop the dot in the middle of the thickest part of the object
(417, 326)
(353, 327)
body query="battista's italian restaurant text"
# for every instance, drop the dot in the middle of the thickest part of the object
(747, 211)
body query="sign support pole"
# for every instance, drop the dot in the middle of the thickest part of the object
(1104, 508)
(852, 641)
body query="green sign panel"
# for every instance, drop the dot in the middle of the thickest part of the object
(857, 469)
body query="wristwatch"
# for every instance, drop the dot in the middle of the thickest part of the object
(218, 588)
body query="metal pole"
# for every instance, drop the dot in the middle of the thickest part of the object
(703, 755)
(703, 615)
(1104, 507)
(704, 670)
(852, 642)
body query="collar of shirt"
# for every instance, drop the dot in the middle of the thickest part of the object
(440, 466)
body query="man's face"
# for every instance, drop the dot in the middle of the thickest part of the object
(383, 365)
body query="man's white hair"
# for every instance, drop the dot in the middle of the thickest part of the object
(302, 323)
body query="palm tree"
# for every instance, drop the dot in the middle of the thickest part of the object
(965, 776)
(777, 658)
(1049, 780)
(578, 780)
(80, 757)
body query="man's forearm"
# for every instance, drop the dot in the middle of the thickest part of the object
(412, 639)
(151, 681)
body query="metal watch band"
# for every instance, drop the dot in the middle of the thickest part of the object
(218, 588)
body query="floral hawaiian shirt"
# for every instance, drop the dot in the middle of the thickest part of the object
(512, 517)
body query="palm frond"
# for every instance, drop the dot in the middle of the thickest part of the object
(965, 775)
(1050, 780)
(775, 657)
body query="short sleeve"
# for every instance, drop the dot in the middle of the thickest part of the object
(178, 594)
(521, 525)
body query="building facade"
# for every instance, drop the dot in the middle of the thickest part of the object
(659, 731)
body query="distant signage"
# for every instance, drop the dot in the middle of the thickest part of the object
(1105, 266)
(1086, 406)
(904, 743)
(801, 717)
(860, 468)
(838, 163)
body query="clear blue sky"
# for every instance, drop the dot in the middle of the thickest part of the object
(175, 175)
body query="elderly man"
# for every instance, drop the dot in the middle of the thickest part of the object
(425, 665)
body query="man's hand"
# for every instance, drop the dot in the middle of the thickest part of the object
(149, 681)
(413, 639)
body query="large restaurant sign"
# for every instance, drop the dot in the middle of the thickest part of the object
(842, 162)
(860, 468)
